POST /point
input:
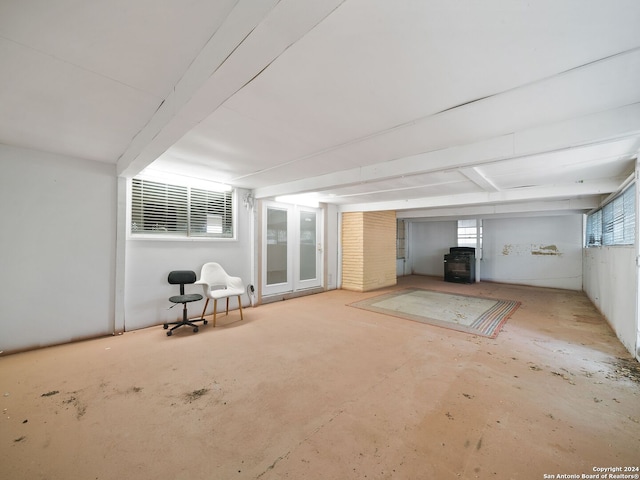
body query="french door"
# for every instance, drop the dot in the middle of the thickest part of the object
(292, 253)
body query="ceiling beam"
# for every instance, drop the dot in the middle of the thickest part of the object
(551, 207)
(525, 194)
(578, 132)
(479, 179)
(243, 47)
(446, 159)
(165, 126)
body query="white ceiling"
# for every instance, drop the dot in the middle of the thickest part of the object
(432, 108)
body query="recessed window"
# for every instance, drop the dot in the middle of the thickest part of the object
(400, 239)
(615, 222)
(180, 211)
(470, 235)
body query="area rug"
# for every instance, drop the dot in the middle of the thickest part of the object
(464, 313)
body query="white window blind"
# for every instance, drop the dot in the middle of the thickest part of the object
(158, 208)
(470, 235)
(594, 229)
(174, 210)
(629, 207)
(615, 222)
(211, 213)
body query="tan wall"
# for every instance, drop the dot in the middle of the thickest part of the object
(368, 250)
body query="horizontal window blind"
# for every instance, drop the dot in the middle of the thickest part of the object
(158, 208)
(470, 235)
(615, 222)
(594, 229)
(174, 210)
(211, 213)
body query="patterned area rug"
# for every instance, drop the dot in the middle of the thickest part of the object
(476, 315)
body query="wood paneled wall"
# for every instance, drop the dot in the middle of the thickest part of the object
(368, 250)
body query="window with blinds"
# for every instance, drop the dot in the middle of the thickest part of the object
(400, 239)
(470, 235)
(614, 223)
(174, 210)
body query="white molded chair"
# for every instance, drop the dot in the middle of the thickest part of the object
(218, 284)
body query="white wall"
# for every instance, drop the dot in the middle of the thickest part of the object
(428, 242)
(610, 281)
(58, 256)
(514, 250)
(538, 251)
(148, 262)
(57, 245)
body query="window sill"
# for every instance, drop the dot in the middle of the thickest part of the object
(167, 238)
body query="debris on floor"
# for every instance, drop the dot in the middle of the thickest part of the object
(196, 394)
(625, 368)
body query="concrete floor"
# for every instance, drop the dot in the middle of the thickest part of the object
(311, 388)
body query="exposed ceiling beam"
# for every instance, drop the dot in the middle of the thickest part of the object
(583, 131)
(446, 159)
(575, 91)
(524, 194)
(552, 207)
(243, 47)
(479, 179)
(165, 126)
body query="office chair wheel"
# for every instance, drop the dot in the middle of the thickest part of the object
(165, 326)
(205, 322)
(169, 333)
(195, 329)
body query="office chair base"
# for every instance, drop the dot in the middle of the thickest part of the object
(183, 323)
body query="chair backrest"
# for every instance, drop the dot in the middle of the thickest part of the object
(181, 277)
(213, 274)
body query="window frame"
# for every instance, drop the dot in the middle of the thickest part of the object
(613, 223)
(465, 231)
(401, 240)
(188, 234)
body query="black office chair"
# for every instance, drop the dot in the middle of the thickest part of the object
(183, 277)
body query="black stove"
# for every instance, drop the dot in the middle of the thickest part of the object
(460, 265)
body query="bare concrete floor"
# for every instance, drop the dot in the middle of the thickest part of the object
(311, 388)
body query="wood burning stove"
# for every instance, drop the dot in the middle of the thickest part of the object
(460, 265)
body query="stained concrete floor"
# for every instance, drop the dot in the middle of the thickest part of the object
(311, 388)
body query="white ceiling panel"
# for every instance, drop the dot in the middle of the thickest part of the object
(609, 84)
(240, 150)
(55, 106)
(144, 44)
(439, 184)
(415, 105)
(603, 160)
(372, 66)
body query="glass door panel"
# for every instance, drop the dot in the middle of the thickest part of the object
(308, 240)
(277, 241)
(292, 253)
